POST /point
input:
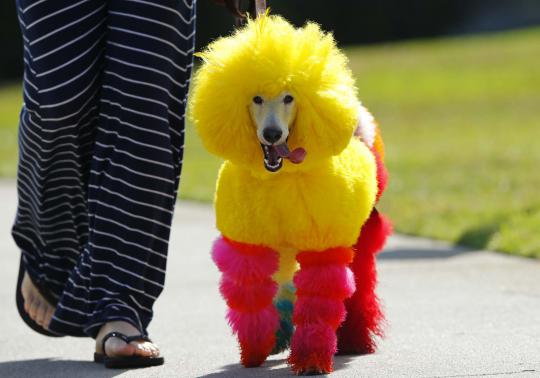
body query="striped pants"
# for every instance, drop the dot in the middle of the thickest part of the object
(101, 138)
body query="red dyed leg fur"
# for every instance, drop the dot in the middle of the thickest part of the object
(248, 289)
(322, 283)
(364, 315)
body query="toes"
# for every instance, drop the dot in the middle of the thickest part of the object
(28, 303)
(41, 312)
(48, 316)
(144, 349)
(115, 347)
(154, 349)
(44, 316)
(25, 294)
(33, 308)
(37, 308)
(26, 286)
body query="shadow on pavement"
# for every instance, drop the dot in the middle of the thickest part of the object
(422, 253)
(479, 237)
(44, 367)
(237, 370)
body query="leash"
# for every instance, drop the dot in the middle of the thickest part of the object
(255, 9)
(260, 7)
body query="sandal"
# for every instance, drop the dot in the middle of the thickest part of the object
(124, 362)
(20, 303)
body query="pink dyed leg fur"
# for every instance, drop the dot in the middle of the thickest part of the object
(322, 284)
(248, 289)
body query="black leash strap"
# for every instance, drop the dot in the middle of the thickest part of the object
(255, 9)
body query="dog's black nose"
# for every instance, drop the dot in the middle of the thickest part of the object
(272, 134)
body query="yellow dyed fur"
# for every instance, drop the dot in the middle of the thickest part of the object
(318, 204)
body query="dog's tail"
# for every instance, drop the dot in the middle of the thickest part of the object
(368, 131)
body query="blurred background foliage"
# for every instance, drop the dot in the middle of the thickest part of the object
(459, 109)
(351, 21)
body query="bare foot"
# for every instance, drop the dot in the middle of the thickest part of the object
(35, 305)
(115, 347)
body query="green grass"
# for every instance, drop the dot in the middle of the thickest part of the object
(461, 121)
(10, 105)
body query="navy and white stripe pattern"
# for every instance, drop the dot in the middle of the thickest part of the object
(101, 138)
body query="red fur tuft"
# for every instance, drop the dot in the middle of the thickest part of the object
(364, 314)
(339, 255)
(382, 174)
(254, 355)
(373, 235)
(313, 347)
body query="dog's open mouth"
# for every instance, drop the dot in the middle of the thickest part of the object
(275, 153)
(272, 161)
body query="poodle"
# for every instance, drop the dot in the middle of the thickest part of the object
(303, 169)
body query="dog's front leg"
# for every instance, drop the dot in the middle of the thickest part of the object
(248, 289)
(322, 284)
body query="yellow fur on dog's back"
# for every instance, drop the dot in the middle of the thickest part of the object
(312, 210)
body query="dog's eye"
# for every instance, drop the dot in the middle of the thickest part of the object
(258, 100)
(288, 99)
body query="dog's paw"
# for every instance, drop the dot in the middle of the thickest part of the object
(253, 358)
(311, 371)
(311, 366)
(254, 355)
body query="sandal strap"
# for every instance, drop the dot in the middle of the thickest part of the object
(123, 337)
(138, 337)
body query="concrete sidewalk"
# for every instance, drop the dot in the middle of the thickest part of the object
(452, 313)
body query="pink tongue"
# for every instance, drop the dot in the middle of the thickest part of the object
(295, 156)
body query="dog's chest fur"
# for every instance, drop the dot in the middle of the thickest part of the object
(314, 210)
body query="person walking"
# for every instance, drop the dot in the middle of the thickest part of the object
(101, 140)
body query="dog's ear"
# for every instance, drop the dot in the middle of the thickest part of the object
(325, 122)
(221, 115)
(328, 106)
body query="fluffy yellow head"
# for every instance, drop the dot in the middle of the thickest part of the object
(269, 57)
